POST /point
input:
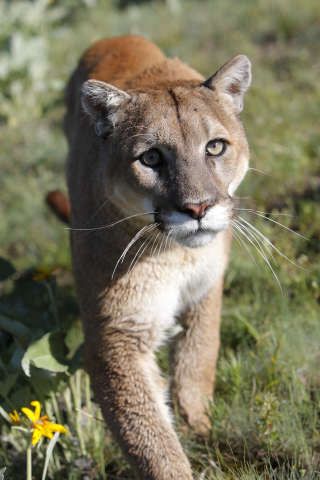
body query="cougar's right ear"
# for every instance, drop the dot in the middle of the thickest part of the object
(101, 102)
(232, 80)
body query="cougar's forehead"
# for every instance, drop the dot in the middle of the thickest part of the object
(181, 117)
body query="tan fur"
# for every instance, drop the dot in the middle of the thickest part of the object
(151, 102)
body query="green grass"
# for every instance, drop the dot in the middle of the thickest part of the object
(265, 419)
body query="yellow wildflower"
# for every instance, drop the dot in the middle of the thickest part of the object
(14, 417)
(42, 427)
(43, 273)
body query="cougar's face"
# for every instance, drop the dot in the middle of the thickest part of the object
(174, 155)
(182, 159)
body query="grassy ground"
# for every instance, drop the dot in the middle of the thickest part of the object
(265, 419)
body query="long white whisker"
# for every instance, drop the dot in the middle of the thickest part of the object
(164, 237)
(110, 225)
(141, 247)
(253, 241)
(147, 243)
(261, 214)
(241, 229)
(283, 226)
(167, 238)
(251, 210)
(141, 232)
(266, 239)
(265, 246)
(235, 235)
(125, 251)
(258, 238)
(156, 250)
(164, 241)
(238, 237)
(154, 245)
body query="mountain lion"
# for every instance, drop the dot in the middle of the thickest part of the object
(156, 153)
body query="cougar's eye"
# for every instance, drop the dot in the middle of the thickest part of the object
(151, 158)
(216, 147)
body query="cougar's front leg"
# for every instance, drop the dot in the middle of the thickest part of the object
(194, 359)
(129, 389)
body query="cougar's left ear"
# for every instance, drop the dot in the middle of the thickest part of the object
(232, 79)
(102, 103)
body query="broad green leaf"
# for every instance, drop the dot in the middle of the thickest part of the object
(44, 353)
(43, 383)
(74, 338)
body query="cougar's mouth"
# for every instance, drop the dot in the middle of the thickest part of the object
(195, 239)
(193, 232)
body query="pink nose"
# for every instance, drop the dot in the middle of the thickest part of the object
(197, 210)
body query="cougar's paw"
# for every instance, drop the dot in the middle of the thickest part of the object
(195, 414)
(199, 422)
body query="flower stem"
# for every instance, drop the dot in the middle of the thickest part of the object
(29, 463)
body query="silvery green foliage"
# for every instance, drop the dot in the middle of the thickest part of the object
(26, 31)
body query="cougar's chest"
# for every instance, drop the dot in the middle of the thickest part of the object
(184, 277)
(160, 288)
(197, 276)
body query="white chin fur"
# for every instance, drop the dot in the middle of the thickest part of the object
(195, 240)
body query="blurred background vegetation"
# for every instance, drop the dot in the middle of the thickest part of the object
(265, 419)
